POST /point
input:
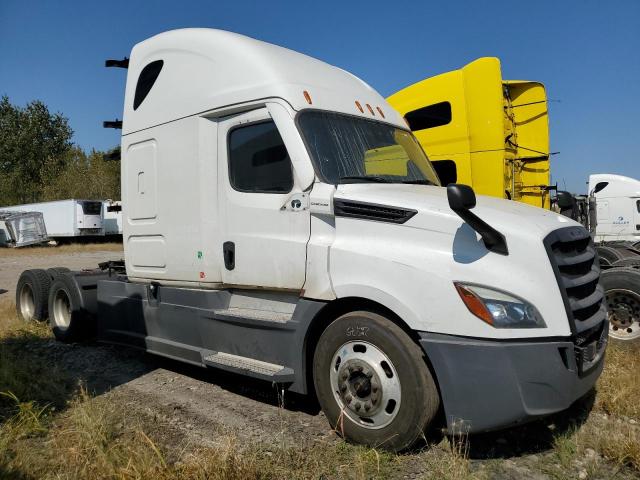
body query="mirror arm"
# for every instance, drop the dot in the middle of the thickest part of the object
(492, 238)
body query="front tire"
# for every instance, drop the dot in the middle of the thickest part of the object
(373, 383)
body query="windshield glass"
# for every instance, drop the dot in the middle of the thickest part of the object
(349, 149)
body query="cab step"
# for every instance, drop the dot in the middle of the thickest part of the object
(250, 366)
(253, 314)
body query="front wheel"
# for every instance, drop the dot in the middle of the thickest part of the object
(373, 383)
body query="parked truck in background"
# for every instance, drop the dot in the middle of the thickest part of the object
(617, 206)
(112, 217)
(65, 219)
(283, 223)
(493, 134)
(483, 131)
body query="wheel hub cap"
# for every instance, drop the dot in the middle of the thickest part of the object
(365, 384)
(27, 302)
(624, 314)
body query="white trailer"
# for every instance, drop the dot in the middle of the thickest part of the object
(282, 222)
(112, 217)
(617, 207)
(67, 218)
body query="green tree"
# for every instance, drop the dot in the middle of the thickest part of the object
(81, 176)
(32, 142)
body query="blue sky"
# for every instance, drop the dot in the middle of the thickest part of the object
(587, 52)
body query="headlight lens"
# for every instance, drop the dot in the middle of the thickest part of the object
(499, 309)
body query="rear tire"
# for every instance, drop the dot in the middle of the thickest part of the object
(32, 294)
(54, 272)
(622, 291)
(67, 320)
(373, 383)
(608, 255)
(628, 262)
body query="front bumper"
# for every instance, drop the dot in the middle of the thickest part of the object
(487, 385)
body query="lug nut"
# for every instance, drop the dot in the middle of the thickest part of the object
(345, 376)
(367, 406)
(348, 398)
(343, 387)
(358, 406)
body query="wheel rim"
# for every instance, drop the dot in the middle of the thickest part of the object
(365, 384)
(624, 314)
(61, 309)
(27, 302)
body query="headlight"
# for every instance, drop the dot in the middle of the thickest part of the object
(499, 309)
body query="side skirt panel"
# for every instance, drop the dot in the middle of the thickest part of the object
(203, 327)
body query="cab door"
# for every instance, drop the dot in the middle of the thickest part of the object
(264, 213)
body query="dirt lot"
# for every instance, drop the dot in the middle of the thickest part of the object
(185, 409)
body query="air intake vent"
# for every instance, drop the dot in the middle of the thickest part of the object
(372, 211)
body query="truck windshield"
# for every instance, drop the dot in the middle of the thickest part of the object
(349, 149)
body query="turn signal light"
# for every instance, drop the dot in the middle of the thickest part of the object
(371, 110)
(307, 97)
(380, 111)
(474, 304)
(359, 107)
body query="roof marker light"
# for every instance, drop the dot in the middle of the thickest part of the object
(371, 110)
(359, 107)
(380, 111)
(307, 97)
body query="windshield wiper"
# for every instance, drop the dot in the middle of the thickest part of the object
(366, 178)
(418, 182)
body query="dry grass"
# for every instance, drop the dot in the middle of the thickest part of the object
(619, 385)
(61, 249)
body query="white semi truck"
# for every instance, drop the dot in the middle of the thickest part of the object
(617, 207)
(282, 222)
(66, 219)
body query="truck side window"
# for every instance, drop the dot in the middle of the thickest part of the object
(258, 159)
(430, 116)
(147, 78)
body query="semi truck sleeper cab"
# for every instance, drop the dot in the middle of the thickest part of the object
(280, 221)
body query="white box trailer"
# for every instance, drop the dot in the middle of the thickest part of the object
(112, 217)
(282, 222)
(20, 229)
(67, 218)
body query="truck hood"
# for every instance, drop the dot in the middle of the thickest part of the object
(434, 214)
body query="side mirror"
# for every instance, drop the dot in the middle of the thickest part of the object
(564, 200)
(461, 197)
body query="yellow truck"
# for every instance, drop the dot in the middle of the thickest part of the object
(483, 131)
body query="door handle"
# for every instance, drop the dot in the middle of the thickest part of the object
(229, 254)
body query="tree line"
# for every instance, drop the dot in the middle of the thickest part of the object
(40, 162)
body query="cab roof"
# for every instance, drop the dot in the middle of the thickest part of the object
(204, 69)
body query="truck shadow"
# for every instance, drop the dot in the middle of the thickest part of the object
(531, 438)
